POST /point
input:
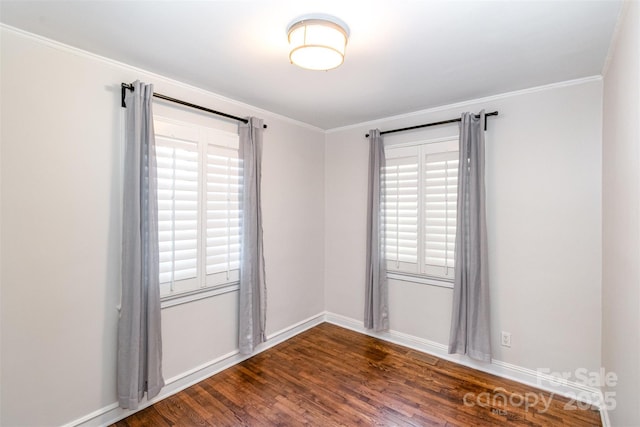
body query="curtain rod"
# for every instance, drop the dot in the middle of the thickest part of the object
(125, 86)
(495, 113)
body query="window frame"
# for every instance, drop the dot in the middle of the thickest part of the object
(420, 275)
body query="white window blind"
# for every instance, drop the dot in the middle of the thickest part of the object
(177, 210)
(199, 186)
(400, 211)
(440, 202)
(224, 184)
(419, 207)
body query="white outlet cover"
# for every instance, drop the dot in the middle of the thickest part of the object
(505, 339)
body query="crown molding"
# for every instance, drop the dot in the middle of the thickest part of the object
(153, 76)
(362, 125)
(373, 123)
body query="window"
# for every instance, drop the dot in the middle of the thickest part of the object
(419, 208)
(199, 187)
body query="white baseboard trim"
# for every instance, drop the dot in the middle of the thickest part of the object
(113, 413)
(530, 377)
(604, 416)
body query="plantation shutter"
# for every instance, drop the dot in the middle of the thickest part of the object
(400, 210)
(177, 169)
(224, 184)
(440, 203)
(419, 207)
(199, 188)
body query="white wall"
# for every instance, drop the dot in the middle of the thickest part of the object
(621, 220)
(544, 221)
(60, 213)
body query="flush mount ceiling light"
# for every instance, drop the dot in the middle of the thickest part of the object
(317, 42)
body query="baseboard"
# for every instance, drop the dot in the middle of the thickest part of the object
(604, 416)
(113, 413)
(527, 376)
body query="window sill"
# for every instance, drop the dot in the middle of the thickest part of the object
(423, 280)
(186, 297)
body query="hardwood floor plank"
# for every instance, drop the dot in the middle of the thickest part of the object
(331, 376)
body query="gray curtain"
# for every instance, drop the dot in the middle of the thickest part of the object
(139, 334)
(470, 332)
(253, 298)
(376, 308)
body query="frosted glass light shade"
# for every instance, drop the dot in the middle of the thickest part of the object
(317, 44)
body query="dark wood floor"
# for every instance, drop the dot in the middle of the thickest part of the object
(330, 376)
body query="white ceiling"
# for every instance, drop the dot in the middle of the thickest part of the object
(402, 55)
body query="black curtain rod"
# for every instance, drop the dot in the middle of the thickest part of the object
(444, 122)
(125, 86)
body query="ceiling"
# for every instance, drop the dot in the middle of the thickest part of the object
(402, 55)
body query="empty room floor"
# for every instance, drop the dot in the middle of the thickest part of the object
(331, 376)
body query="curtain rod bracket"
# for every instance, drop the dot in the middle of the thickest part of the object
(123, 92)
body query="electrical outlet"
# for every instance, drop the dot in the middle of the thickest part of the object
(505, 339)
